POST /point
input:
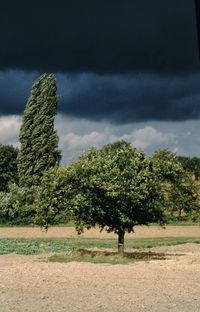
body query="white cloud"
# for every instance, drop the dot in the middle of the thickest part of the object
(147, 136)
(9, 129)
(81, 141)
(77, 135)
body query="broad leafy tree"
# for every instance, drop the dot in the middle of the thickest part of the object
(16, 205)
(179, 190)
(8, 166)
(38, 138)
(191, 164)
(183, 196)
(168, 167)
(115, 188)
(52, 199)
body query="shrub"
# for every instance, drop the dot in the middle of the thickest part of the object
(16, 206)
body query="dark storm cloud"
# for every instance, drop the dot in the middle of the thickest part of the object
(15, 88)
(115, 98)
(102, 36)
(129, 98)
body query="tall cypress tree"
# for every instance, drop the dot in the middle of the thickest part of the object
(38, 139)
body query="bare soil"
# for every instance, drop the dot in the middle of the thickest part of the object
(140, 231)
(27, 283)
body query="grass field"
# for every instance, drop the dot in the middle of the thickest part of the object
(91, 250)
(93, 246)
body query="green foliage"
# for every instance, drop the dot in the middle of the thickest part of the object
(179, 190)
(39, 141)
(194, 216)
(16, 206)
(8, 166)
(51, 200)
(191, 164)
(183, 195)
(5, 207)
(168, 167)
(115, 187)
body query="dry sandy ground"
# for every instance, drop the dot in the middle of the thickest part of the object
(140, 231)
(28, 284)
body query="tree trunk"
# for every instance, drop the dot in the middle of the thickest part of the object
(180, 213)
(121, 233)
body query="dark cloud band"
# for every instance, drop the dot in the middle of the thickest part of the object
(115, 98)
(102, 36)
(131, 98)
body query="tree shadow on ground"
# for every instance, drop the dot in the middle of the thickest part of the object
(112, 257)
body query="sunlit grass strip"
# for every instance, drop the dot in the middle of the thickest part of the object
(37, 246)
(102, 256)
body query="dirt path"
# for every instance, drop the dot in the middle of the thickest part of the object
(140, 231)
(29, 284)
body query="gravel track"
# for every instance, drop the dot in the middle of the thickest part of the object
(27, 283)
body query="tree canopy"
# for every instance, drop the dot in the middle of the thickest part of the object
(52, 198)
(179, 190)
(38, 139)
(115, 187)
(8, 166)
(191, 164)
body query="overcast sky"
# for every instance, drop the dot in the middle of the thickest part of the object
(125, 70)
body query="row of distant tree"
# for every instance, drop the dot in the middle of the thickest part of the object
(191, 164)
(9, 172)
(116, 186)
